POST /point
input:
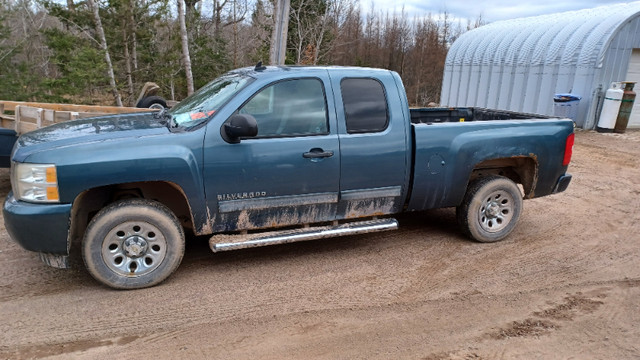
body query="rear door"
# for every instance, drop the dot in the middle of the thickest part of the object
(374, 143)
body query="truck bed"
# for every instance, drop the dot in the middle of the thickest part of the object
(465, 114)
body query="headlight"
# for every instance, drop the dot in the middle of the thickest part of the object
(35, 182)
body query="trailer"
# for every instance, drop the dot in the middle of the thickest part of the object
(17, 118)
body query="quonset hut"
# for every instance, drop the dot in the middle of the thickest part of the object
(520, 64)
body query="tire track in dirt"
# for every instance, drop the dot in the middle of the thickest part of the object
(201, 308)
(552, 317)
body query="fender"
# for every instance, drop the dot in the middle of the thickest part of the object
(444, 162)
(131, 160)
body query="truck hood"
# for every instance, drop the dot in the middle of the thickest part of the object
(96, 129)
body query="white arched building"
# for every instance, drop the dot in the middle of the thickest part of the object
(520, 64)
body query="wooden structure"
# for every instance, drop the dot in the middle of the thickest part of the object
(28, 116)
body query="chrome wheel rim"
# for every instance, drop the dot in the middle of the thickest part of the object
(134, 248)
(496, 211)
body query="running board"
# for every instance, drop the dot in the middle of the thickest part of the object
(243, 241)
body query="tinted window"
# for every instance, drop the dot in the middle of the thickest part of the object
(365, 105)
(289, 108)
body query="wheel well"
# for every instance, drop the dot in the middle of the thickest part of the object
(89, 202)
(520, 169)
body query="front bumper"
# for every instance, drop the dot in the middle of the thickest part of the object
(562, 184)
(38, 227)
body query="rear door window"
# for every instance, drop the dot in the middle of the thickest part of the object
(365, 105)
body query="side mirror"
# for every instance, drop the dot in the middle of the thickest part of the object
(239, 126)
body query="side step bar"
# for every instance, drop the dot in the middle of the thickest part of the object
(243, 241)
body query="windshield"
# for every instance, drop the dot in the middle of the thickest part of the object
(207, 100)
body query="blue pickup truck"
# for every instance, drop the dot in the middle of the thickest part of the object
(271, 155)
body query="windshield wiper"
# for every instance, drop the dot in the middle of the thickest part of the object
(164, 116)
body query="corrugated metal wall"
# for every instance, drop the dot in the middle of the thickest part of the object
(520, 64)
(634, 75)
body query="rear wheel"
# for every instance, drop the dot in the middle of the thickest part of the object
(490, 209)
(133, 243)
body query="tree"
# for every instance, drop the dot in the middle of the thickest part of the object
(52, 50)
(105, 49)
(184, 40)
(79, 66)
(314, 27)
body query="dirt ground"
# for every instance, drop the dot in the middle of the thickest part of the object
(565, 284)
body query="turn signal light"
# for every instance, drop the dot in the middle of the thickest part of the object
(52, 194)
(51, 175)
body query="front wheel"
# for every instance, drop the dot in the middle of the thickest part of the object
(132, 244)
(490, 209)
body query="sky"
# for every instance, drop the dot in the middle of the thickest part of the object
(490, 10)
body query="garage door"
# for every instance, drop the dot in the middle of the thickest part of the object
(634, 75)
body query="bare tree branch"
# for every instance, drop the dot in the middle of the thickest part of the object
(105, 50)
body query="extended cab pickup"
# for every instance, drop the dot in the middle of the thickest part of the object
(272, 155)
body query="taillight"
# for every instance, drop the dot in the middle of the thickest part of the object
(568, 149)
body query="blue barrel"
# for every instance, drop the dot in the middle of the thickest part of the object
(566, 106)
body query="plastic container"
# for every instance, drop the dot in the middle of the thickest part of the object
(610, 108)
(566, 106)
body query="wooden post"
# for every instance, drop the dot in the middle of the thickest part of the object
(278, 48)
(39, 116)
(17, 120)
(49, 117)
(2, 122)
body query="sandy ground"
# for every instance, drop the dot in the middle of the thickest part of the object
(565, 284)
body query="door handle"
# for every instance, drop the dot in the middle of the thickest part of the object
(317, 153)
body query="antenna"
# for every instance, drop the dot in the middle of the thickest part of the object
(260, 67)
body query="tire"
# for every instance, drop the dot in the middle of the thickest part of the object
(133, 244)
(490, 209)
(152, 102)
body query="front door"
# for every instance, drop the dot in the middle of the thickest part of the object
(289, 173)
